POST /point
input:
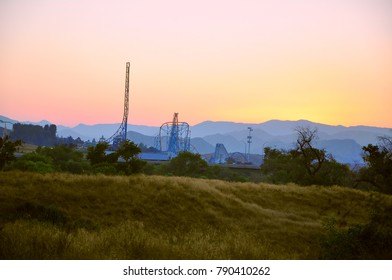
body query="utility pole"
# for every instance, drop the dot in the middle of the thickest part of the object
(249, 141)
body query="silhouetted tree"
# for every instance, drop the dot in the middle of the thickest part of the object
(311, 157)
(129, 151)
(7, 150)
(304, 165)
(378, 170)
(97, 155)
(282, 167)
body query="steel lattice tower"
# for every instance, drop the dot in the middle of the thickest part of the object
(121, 134)
(173, 137)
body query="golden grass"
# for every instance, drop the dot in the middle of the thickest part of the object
(156, 217)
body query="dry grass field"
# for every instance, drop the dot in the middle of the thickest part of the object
(63, 216)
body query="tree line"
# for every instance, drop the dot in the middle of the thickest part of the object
(64, 158)
(43, 136)
(307, 165)
(302, 165)
(35, 134)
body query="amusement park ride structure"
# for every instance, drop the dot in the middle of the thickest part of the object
(173, 137)
(121, 134)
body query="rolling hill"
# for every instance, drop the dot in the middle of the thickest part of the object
(63, 216)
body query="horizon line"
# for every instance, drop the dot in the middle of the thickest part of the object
(208, 120)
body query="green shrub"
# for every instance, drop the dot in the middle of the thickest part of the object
(372, 240)
(33, 166)
(104, 168)
(187, 164)
(76, 167)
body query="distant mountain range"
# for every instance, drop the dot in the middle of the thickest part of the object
(344, 143)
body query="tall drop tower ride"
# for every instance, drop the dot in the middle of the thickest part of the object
(121, 134)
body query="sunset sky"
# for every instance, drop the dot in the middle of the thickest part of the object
(228, 60)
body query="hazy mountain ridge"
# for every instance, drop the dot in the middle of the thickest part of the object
(344, 143)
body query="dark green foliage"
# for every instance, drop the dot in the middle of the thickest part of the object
(304, 165)
(334, 173)
(153, 169)
(66, 159)
(231, 174)
(63, 158)
(7, 150)
(46, 159)
(187, 164)
(378, 171)
(76, 167)
(122, 161)
(111, 157)
(136, 165)
(104, 168)
(61, 154)
(128, 151)
(96, 154)
(192, 165)
(281, 167)
(34, 162)
(372, 240)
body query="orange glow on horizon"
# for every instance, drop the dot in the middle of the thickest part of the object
(225, 61)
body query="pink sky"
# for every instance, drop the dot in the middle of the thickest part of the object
(244, 61)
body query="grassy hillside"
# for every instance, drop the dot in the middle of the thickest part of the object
(62, 216)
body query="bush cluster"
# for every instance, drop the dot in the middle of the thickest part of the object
(371, 240)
